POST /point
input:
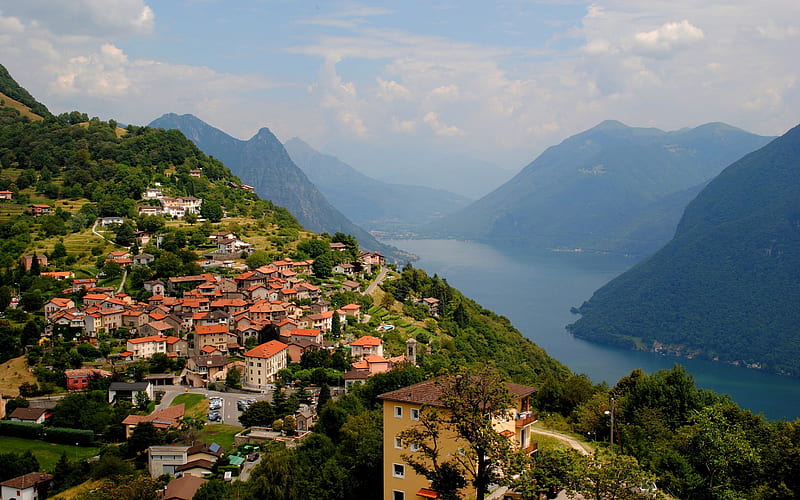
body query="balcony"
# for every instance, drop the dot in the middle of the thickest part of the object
(531, 448)
(526, 418)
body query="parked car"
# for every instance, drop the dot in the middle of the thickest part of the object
(214, 417)
(252, 457)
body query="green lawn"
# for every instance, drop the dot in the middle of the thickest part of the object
(222, 434)
(46, 453)
(196, 405)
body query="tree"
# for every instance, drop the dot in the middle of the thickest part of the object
(336, 327)
(142, 401)
(608, 477)
(469, 402)
(289, 425)
(257, 259)
(233, 378)
(143, 436)
(211, 211)
(259, 413)
(323, 266)
(125, 234)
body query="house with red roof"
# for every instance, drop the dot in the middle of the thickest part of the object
(365, 346)
(145, 347)
(262, 363)
(217, 336)
(57, 304)
(79, 378)
(31, 486)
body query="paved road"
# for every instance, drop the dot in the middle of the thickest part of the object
(377, 281)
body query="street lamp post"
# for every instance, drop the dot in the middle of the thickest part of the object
(611, 412)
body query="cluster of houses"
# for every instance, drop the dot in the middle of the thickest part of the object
(206, 317)
(169, 207)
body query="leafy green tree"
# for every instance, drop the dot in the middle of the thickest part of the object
(17, 464)
(323, 266)
(233, 378)
(142, 401)
(289, 425)
(471, 400)
(260, 413)
(125, 234)
(211, 211)
(59, 250)
(144, 435)
(257, 259)
(313, 248)
(608, 477)
(215, 489)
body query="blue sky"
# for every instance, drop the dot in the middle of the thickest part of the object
(403, 89)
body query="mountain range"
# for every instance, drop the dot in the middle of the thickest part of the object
(726, 286)
(612, 188)
(263, 163)
(372, 204)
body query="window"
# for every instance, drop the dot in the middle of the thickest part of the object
(398, 470)
(414, 447)
(398, 495)
(398, 443)
(398, 411)
(414, 413)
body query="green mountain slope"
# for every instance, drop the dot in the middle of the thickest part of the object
(370, 203)
(12, 89)
(610, 188)
(263, 163)
(726, 286)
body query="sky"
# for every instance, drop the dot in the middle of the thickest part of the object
(408, 89)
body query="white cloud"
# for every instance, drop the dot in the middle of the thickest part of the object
(85, 17)
(439, 128)
(667, 38)
(390, 90)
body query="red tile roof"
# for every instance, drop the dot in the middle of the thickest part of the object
(367, 340)
(266, 350)
(210, 329)
(28, 480)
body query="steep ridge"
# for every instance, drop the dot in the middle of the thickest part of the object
(611, 188)
(370, 203)
(263, 163)
(725, 287)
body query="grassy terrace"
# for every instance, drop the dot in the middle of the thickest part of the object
(196, 405)
(46, 453)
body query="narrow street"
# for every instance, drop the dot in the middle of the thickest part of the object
(377, 281)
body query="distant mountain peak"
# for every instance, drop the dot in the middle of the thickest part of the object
(610, 125)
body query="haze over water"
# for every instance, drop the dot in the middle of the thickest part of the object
(536, 291)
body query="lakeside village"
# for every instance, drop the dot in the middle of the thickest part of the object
(239, 333)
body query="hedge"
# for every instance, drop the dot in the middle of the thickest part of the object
(24, 430)
(66, 435)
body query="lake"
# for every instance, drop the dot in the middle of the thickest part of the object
(536, 291)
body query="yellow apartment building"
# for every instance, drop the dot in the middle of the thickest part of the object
(401, 411)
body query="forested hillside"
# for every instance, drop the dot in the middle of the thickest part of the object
(263, 163)
(725, 288)
(612, 188)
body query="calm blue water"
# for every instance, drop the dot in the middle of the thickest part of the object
(536, 291)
